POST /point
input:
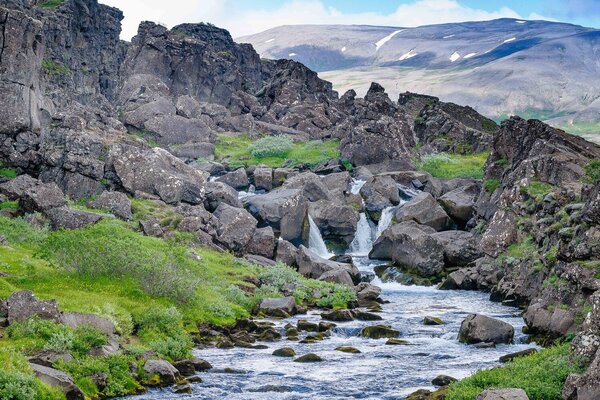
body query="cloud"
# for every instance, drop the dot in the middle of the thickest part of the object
(240, 21)
(574, 8)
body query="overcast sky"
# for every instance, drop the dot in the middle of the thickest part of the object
(243, 17)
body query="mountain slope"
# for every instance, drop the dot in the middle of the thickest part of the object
(541, 69)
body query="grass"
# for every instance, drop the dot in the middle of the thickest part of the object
(540, 375)
(237, 151)
(491, 185)
(536, 188)
(589, 130)
(12, 205)
(6, 172)
(53, 67)
(592, 172)
(18, 381)
(448, 166)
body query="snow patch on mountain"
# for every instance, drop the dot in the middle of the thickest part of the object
(387, 39)
(455, 56)
(509, 40)
(343, 49)
(408, 55)
(470, 55)
(269, 41)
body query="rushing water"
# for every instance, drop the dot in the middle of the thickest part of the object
(380, 371)
(363, 239)
(315, 241)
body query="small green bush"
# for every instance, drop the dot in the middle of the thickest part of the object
(18, 382)
(54, 68)
(491, 184)
(271, 146)
(592, 172)
(7, 172)
(18, 231)
(162, 330)
(49, 4)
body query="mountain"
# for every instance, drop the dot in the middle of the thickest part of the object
(537, 69)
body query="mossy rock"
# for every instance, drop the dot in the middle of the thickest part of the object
(285, 352)
(348, 349)
(368, 316)
(338, 316)
(379, 332)
(308, 358)
(432, 321)
(304, 325)
(397, 342)
(325, 326)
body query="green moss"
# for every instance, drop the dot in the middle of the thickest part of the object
(592, 172)
(237, 151)
(449, 166)
(54, 68)
(536, 188)
(491, 184)
(6, 172)
(49, 4)
(12, 205)
(540, 375)
(552, 255)
(525, 249)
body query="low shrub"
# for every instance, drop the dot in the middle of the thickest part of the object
(592, 172)
(18, 382)
(18, 231)
(447, 166)
(271, 146)
(491, 185)
(162, 330)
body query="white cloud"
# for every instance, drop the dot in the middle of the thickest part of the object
(224, 13)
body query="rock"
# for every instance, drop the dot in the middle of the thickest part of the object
(15, 188)
(443, 380)
(116, 202)
(335, 221)
(191, 151)
(283, 209)
(338, 316)
(312, 186)
(340, 276)
(155, 171)
(378, 193)
(75, 320)
(410, 245)
(42, 198)
(23, 305)
(512, 356)
(48, 358)
(551, 322)
(236, 179)
(201, 365)
(311, 265)
(460, 248)
(503, 394)
(424, 210)
(286, 253)
(263, 178)
(59, 379)
(367, 316)
(165, 373)
(278, 307)
(183, 388)
(421, 394)
(367, 292)
(478, 328)
(262, 242)
(501, 232)
(396, 342)
(432, 321)
(284, 352)
(219, 192)
(308, 358)
(348, 349)
(237, 227)
(68, 218)
(260, 260)
(379, 332)
(151, 227)
(459, 203)
(304, 325)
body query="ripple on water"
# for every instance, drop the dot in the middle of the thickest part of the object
(380, 371)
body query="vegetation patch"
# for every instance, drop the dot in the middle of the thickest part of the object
(540, 375)
(274, 151)
(448, 166)
(536, 188)
(18, 381)
(49, 4)
(592, 172)
(7, 172)
(491, 185)
(54, 68)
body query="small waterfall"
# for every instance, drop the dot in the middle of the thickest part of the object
(315, 240)
(356, 186)
(384, 221)
(363, 241)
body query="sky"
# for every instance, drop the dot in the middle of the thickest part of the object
(244, 17)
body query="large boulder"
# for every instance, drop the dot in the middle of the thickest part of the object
(460, 247)
(380, 192)
(262, 242)
(503, 394)
(157, 172)
(42, 198)
(312, 266)
(550, 321)
(15, 188)
(335, 221)
(312, 186)
(340, 276)
(175, 129)
(69, 218)
(477, 328)
(236, 228)
(116, 202)
(459, 203)
(75, 320)
(263, 178)
(283, 209)
(410, 245)
(424, 210)
(219, 192)
(286, 253)
(278, 307)
(237, 179)
(59, 379)
(23, 305)
(163, 372)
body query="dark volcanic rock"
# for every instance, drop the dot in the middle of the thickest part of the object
(116, 202)
(424, 210)
(22, 305)
(68, 218)
(479, 328)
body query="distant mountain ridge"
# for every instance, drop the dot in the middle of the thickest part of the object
(540, 69)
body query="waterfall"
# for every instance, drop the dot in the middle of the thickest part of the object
(356, 186)
(385, 220)
(363, 241)
(315, 240)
